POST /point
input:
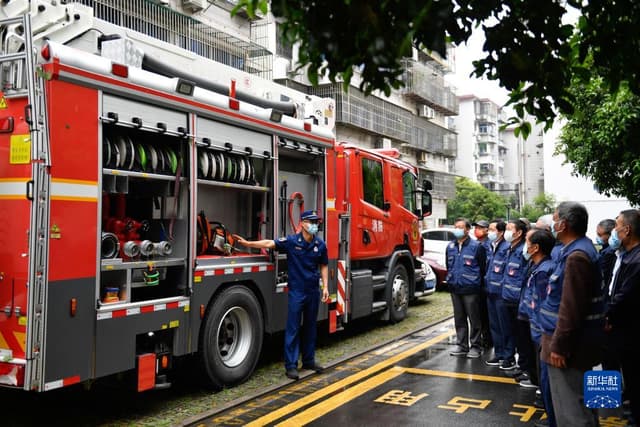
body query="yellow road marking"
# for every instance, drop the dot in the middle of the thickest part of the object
(340, 399)
(460, 375)
(345, 382)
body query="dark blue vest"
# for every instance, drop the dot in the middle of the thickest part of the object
(463, 270)
(534, 292)
(515, 272)
(548, 314)
(495, 268)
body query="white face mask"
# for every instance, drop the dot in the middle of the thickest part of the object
(492, 236)
(508, 236)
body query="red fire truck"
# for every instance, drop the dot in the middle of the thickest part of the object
(120, 188)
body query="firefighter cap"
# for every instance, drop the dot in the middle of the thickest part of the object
(482, 223)
(309, 216)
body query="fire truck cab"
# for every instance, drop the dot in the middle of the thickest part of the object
(120, 189)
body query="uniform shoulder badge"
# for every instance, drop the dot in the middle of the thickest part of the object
(282, 239)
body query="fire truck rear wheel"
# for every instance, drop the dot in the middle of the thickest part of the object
(231, 339)
(398, 293)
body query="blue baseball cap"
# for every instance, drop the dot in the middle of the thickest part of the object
(309, 216)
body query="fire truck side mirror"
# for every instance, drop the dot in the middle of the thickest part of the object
(426, 185)
(426, 204)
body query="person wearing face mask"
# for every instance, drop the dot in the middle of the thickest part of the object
(512, 279)
(545, 222)
(607, 253)
(622, 305)
(610, 257)
(307, 262)
(481, 232)
(496, 259)
(572, 317)
(537, 250)
(466, 263)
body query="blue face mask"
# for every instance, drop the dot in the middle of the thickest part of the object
(599, 241)
(614, 240)
(312, 229)
(458, 233)
(525, 251)
(492, 236)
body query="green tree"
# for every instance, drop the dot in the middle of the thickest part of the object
(475, 202)
(548, 66)
(528, 47)
(546, 203)
(542, 204)
(601, 138)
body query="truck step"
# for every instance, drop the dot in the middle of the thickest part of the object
(420, 294)
(378, 281)
(378, 306)
(162, 383)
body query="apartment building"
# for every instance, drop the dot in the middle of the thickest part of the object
(524, 163)
(496, 158)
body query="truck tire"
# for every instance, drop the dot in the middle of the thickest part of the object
(398, 293)
(231, 338)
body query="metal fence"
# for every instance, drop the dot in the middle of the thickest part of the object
(383, 118)
(183, 31)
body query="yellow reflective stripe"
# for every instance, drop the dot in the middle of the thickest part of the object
(74, 190)
(61, 189)
(13, 188)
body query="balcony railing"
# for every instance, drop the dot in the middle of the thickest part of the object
(424, 84)
(380, 117)
(489, 138)
(183, 31)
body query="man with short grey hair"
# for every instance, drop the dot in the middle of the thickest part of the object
(545, 222)
(572, 316)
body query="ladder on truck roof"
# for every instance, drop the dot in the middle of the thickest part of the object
(20, 77)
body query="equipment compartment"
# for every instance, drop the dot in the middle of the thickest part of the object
(145, 227)
(234, 179)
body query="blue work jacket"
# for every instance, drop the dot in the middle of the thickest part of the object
(303, 259)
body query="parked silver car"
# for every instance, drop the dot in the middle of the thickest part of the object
(435, 251)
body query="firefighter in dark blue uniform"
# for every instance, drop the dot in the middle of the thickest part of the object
(307, 263)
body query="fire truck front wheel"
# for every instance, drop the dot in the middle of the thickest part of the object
(231, 338)
(398, 293)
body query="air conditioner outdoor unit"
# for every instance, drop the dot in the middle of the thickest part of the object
(382, 142)
(194, 5)
(426, 112)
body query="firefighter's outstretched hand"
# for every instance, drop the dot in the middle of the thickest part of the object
(240, 239)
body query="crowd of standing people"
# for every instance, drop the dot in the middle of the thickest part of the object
(550, 303)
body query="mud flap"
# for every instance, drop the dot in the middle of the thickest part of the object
(146, 371)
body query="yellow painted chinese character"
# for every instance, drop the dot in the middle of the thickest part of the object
(612, 422)
(529, 412)
(461, 404)
(399, 397)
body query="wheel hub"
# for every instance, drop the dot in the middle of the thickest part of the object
(399, 294)
(234, 336)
